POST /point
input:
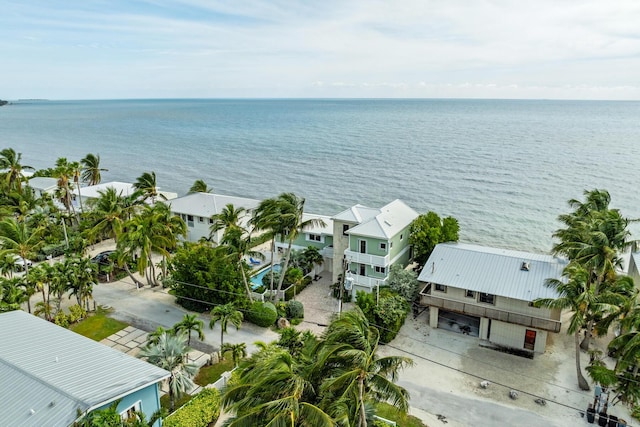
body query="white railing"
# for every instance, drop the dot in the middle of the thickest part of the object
(367, 282)
(360, 258)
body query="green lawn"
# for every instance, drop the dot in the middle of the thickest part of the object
(210, 374)
(98, 326)
(387, 411)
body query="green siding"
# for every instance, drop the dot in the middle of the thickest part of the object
(398, 244)
(373, 245)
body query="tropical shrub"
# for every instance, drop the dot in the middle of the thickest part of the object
(203, 273)
(295, 289)
(61, 319)
(200, 411)
(388, 315)
(427, 231)
(76, 313)
(262, 314)
(294, 310)
(403, 282)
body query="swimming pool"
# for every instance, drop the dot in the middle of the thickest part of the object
(256, 281)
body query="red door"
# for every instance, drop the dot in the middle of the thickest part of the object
(529, 339)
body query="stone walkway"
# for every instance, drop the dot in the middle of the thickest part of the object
(130, 340)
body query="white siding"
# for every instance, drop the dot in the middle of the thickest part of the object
(510, 335)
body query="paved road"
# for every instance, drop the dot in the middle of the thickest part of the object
(147, 308)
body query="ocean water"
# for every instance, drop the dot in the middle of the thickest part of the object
(504, 168)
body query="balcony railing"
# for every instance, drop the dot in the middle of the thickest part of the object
(489, 312)
(366, 281)
(360, 258)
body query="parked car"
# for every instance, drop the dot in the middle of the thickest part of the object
(103, 258)
(20, 263)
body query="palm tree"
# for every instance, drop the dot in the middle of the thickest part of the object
(238, 351)
(226, 314)
(593, 238)
(169, 354)
(273, 389)
(10, 162)
(189, 323)
(110, 211)
(91, 169)
(312, 257)
(238, 242)
(12, 294)
(266, 218)
(147, 184)
(228, 218)
(359, 376)
(199, 186)
(576, 296)
(64, 173)
(19, 239)
(291, 210)
(153, 230)
(154, 337)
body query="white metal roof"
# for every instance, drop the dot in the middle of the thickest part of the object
(207, 204)
(492, 270)
(326, 229)
(48, 372)
(43, 183)
(357, 213)
(389, 221)
(122, 188)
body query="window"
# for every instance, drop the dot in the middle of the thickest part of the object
(190, 220)
(487, 298)
(401, 236)
(470, 294)
(363, 270)
(314, 237)
(345, 228)
(441, 288)
(380, 270)
(130, 412)
(200, 219)
(391, 244)
(210, 221)
(383, 246)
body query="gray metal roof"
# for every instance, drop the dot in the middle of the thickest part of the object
(48, 372)
(492, 270)
(357, 213)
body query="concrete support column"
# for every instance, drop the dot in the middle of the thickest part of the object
(433, 316)
(484, 328)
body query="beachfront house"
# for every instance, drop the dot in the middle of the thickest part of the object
(123, 189)
(317, 236)
(42, 185)
(196, 210)
(489, 293)
(52, 376)
(368, 241)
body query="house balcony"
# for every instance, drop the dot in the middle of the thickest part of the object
(373, 260)
(366, 281)
(327, 251)
(477, 310)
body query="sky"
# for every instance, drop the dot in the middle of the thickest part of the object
(116, 49)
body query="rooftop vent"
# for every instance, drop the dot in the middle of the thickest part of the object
(525, 266)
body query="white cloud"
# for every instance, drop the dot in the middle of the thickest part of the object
(206, 48)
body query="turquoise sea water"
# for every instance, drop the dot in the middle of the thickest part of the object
(505, 169)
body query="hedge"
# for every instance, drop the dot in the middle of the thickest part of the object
(200, 411)
(262, 314)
